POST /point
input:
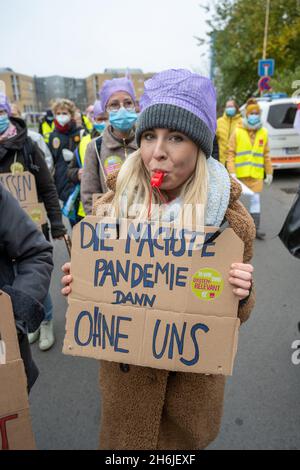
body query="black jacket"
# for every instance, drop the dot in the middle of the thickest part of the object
(57, 143)
(46, 190)
(25, 271)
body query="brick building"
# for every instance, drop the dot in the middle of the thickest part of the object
(94, 82)
(35, 94)
(20, 89)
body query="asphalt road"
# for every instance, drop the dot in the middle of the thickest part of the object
(262, 406)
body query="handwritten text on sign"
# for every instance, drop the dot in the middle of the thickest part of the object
(146, 243)
(102, 333)
(3, 430)
(21, 186)
(148, 337)
(153, 296)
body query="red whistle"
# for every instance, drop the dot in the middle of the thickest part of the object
(157, 179)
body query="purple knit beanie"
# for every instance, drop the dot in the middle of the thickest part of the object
(4, 104)
(112, 86)
(183, 101)
(97, 108)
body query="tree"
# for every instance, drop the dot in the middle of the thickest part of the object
(237, 32)
(286, 81)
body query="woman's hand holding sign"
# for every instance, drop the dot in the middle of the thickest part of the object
(67, 279)
(241, 279)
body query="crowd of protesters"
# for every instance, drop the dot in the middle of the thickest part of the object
(111, 150)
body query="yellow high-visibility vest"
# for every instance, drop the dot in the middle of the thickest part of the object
(46, 130)
(82, 151)
(225, 128)
(88, 124)
(249, 159)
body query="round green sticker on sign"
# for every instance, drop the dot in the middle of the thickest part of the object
(207, 284)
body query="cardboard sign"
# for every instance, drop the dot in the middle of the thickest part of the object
(15, 423)
(36, 212)
(153, 297)
(22, 186)
(96, 196)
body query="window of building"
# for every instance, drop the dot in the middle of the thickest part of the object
(15, 87)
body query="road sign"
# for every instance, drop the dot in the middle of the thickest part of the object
(264, 84)
(266, 68)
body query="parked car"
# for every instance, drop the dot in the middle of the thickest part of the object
(278, 115)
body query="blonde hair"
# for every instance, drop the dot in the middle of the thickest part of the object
(65, 104)
(133, 182)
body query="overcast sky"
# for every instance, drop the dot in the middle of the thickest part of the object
(81, 37)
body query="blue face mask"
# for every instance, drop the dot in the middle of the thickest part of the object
(99, 126)
(123, 120)
(230, 111)
(253, 119)
(4, 123)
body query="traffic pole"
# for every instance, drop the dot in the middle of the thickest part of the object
(265, 44)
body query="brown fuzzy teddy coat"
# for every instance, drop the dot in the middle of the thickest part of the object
(144, 408)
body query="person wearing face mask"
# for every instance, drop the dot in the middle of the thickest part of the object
(248, 158)
(37, 138)
(18, 153)
(47, 125)
(225, 127)
(75, 169)
(107, 153)
(145, 408)
(62, 143)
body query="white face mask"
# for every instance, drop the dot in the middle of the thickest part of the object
(63, 119)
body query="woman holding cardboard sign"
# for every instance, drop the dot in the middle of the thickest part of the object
(145, 408)
(18, 154)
